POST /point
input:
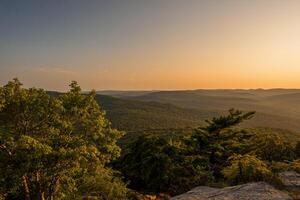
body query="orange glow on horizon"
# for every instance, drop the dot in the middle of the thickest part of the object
(184, 45)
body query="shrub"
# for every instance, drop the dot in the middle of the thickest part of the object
(246, 168)
(272, 147)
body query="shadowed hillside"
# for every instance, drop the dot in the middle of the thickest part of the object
(159, 111)
(277, 108)
(133, 115)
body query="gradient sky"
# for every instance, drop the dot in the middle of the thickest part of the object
(151, 44)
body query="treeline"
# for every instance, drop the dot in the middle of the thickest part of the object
(132, 115)
(218, 154)
(63, 147)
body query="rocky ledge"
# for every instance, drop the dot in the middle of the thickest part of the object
(291, 181)
(250, 191)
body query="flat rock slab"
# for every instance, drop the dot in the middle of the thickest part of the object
(290, 179)
(250, 191)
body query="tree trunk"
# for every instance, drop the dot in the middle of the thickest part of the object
(39, 192)
(25, 187)
(241, 172)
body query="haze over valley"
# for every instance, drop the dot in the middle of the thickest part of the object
(275, 108)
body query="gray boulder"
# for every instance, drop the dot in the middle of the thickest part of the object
(291, 181)
(250, 191)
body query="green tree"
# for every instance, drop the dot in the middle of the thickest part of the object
(217, 141)
(51, 146)
(156, 164)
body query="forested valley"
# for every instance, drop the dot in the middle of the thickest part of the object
(82, 145)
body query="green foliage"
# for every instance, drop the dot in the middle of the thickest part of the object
(102, 184)
(219, 123)
(286, 166)
(156, 164)
(59, 146)
(288, 136)
(217, 154)
(297, 150)
(272, 147)
(295, 165)
(217, 141)
(51, 147)
(134, 115)
(246, 168)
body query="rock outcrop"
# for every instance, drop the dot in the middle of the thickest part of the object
(250, 191)
(291, 181)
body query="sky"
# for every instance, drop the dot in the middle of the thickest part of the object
(150, 44)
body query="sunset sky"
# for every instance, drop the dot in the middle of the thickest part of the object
(151, 44)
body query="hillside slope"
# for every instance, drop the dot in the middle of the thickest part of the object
(277, 108)
(133, 115)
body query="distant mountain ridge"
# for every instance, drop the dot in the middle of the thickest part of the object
(134, 111)
(276, 108)
(121, 93)
(261, 92)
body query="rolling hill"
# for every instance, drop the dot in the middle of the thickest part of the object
(135, 115)
(176, 111)
(276, 108)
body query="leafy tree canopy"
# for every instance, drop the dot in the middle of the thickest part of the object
(55, 147)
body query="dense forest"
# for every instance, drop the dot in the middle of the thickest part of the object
(275, 108)
(79, 145)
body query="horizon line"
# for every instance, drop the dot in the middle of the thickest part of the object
(157, 90)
